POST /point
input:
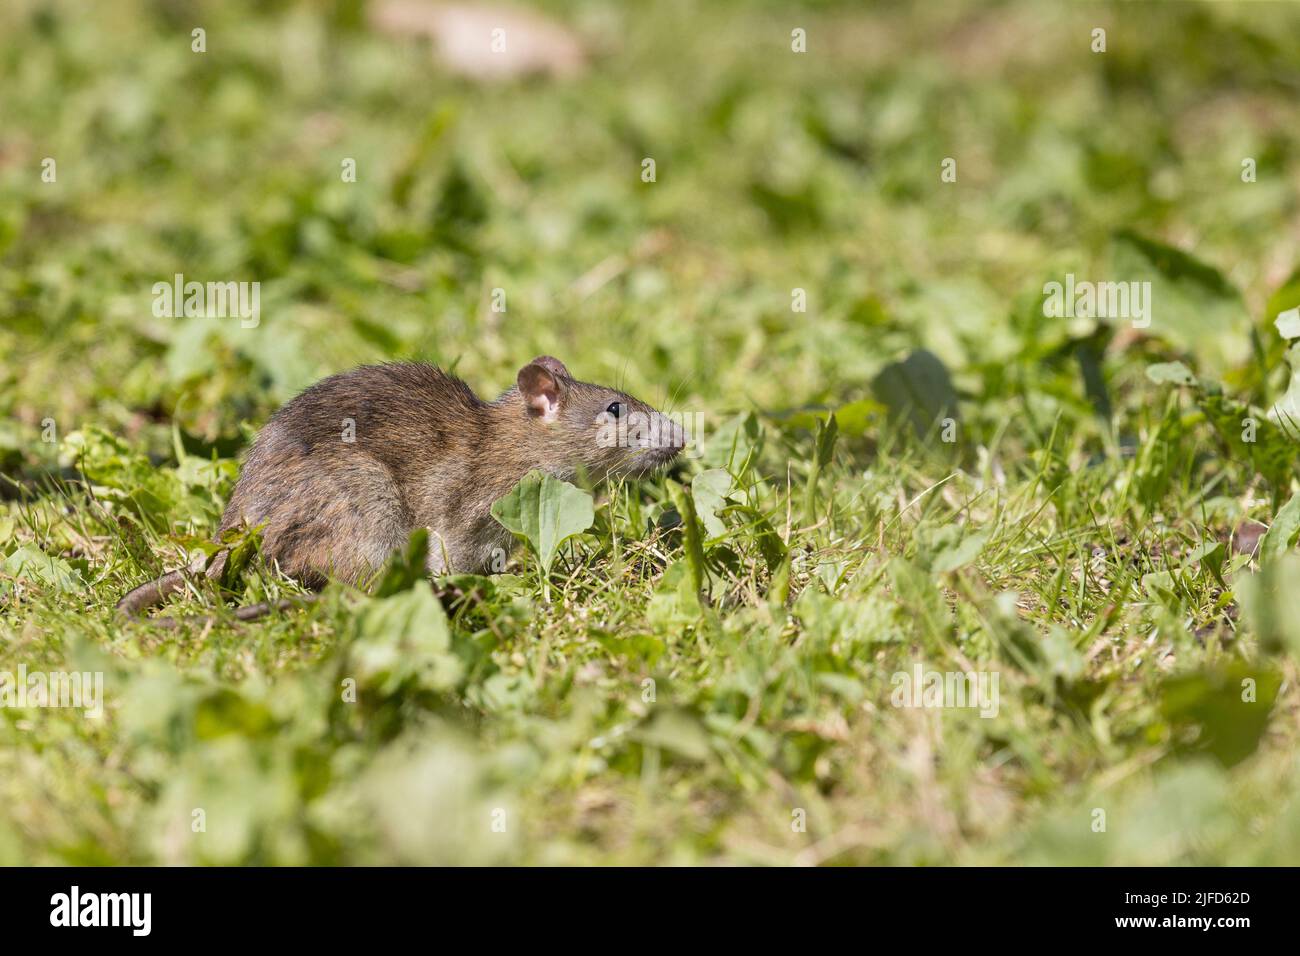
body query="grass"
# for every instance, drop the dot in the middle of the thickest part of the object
(708, 675)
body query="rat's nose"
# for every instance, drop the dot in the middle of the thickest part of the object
(672, 435)
(666, 435)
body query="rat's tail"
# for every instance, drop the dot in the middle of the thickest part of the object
(138, 600)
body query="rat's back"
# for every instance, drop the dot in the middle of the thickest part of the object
(332, 475)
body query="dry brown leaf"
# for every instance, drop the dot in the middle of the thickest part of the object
(485, 43)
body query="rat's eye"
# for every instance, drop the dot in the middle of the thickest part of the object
(615, 409)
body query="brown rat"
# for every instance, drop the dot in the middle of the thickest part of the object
(341, 475)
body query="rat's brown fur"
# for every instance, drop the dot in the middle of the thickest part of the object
(425, 451)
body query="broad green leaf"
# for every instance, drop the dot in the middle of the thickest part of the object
(874, 619)
(545, 512)
(917, 389)
(675, 730)
(1191, 304)
(227, 711)
(675, 602)
(33, 564)
(1221, 710)
(735, 443)
(1161, 456)
(1061, 658)
(165, 495)
(1209, 555)
(1288, 323)
(417, 156)
(1272, 602)
(242, 544)
(1281, 533)
(960, 554)
(1271, 452)
(854, 418)
(1170, 373)
(1284, 303)
(1286, 410)
(400, 638)
(709, 490)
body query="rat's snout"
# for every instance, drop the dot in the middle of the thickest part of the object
(676, 437)
(663, 435)
(667, 440)
(653, 439)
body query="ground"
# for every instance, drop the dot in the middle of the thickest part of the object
(730, 664)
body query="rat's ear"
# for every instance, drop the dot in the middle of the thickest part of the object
(541, 387)
(554, 364)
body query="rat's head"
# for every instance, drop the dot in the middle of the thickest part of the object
(600, 430)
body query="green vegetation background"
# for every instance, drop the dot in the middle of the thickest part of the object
(1087, 536)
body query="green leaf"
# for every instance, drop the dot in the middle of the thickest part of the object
(226, 711)
(827, 433)
(923, 600)
(1161, 456)
(1285, 412)
(418, 156)
(1284, 303)
(736, 444)
(1288, 323)
(1174, 265)
(545, 512)
(675, 602)
(854, 418)
(764, 535)
(31, 563)
(709, 489)
(108, 461)
(1191, 304)
(961, 554)
(401, 639)
(685, 504)
(1249, 435)
(1272, 453)
(1209, 555)
(1277, 540)
(675, 730)
(1170, 373)
(242, 544)
(1223, 711)
(162, 495)
(1060, 657)
(408, 567)
(1272, 602)
(917, 389)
